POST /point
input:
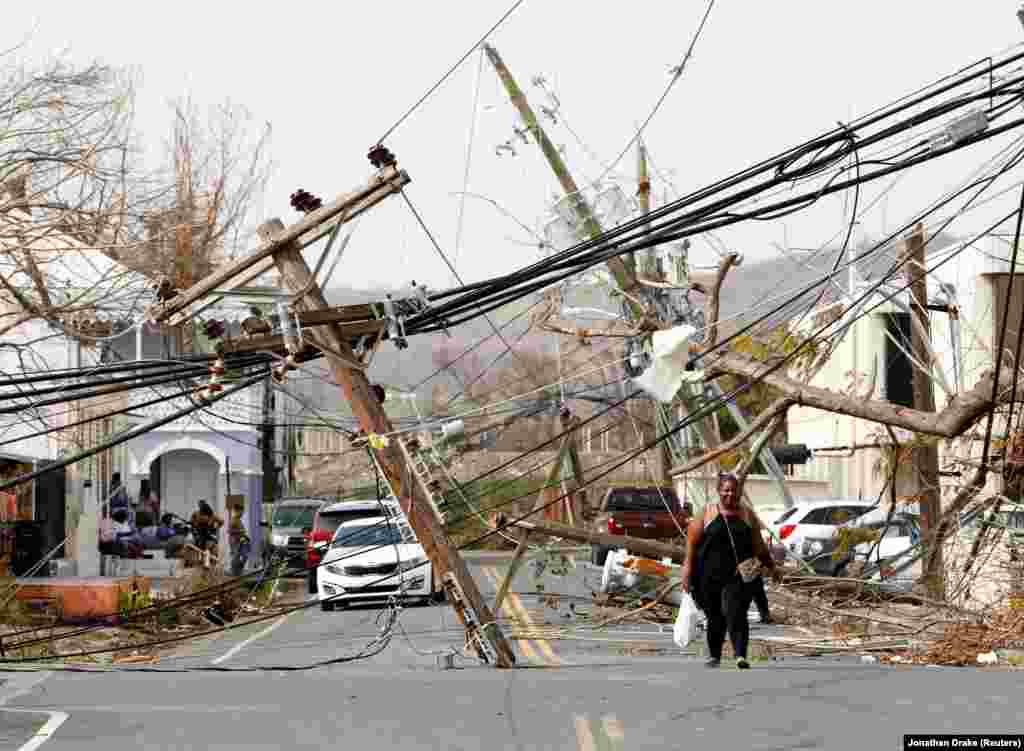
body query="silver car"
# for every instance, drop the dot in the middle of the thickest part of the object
(292, 520)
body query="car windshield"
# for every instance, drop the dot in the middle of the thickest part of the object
(643, 499)
(329, 521)
(367, 535)
(294, 516)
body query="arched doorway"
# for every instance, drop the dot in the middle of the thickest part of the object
(186, 477)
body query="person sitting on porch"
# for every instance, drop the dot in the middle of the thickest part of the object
(108, 544)
(118, 494)
(205, 524)
(126, 537)
(148, 499)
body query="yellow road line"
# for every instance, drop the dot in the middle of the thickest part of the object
(607, 734)
(614, 731)
(524, 644)
(584, 738)
(543, 645)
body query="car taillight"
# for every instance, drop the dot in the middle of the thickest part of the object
(614, 527)
(317, 536)
(786, 530)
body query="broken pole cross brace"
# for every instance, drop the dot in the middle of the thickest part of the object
(346, 207)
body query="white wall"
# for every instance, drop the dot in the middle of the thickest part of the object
(850, 367)
(41, 351)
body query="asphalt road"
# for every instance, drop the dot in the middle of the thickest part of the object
(622, 688)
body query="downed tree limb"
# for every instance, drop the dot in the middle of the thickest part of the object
(636, 545)
(662, 593)
(949, 422)
(713, 302)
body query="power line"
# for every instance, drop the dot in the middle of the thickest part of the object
(451, 70)
(677, 74)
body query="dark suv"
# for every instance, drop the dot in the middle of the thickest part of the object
(653, 513)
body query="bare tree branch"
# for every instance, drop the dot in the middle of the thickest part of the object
(949, 422)
(712, 304)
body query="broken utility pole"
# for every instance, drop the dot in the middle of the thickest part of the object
(566, 450)
(662, 468)
(622, 268)
(926, 456)
(284, 245)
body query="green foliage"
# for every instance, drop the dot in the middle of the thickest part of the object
(849, 537)
(129, 602)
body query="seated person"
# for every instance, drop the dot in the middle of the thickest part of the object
(108, 545)
(126, 538)
(172, 539)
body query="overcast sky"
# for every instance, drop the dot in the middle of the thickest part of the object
(332, 77)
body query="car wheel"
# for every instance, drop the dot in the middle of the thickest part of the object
(842, 572)
(327, 606)
(598, 554)
(311, 582)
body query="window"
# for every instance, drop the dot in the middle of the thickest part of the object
(834, 515)
(785, 515)
(369, 535)
(294, 516)
(642, 499)
(899, 373)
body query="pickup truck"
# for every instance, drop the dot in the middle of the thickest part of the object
(653, 513)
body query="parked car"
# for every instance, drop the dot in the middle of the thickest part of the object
(1009, 520)
(331, 516)
(375, 557)
(653, 513)
(292, 519)
(816, 519)
(897, 535)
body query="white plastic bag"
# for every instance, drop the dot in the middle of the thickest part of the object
(685, 630)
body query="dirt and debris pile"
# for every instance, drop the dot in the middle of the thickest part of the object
(963, 643)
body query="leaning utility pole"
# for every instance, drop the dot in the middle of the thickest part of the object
(643, 194)
(926, 456)
(282, 247)
(623, 269)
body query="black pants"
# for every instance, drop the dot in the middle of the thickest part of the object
(727, 606)
(760, 597)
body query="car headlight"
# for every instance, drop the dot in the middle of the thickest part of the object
(336, 570)
(413, 563)
(280, 539)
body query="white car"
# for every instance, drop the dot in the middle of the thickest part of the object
(375, 557)
(815, 519)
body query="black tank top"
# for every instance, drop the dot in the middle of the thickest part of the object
(718, 561)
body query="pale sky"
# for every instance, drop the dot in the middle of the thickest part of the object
(332, 77)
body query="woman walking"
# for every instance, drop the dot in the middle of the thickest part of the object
(729, 535)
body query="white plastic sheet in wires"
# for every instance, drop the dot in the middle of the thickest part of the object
(669, 354)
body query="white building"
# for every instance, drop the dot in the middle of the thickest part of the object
(202, 456)
(976, 281)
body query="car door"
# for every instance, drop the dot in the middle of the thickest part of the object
(896, 540)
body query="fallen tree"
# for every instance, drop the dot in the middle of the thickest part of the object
(636, 545)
